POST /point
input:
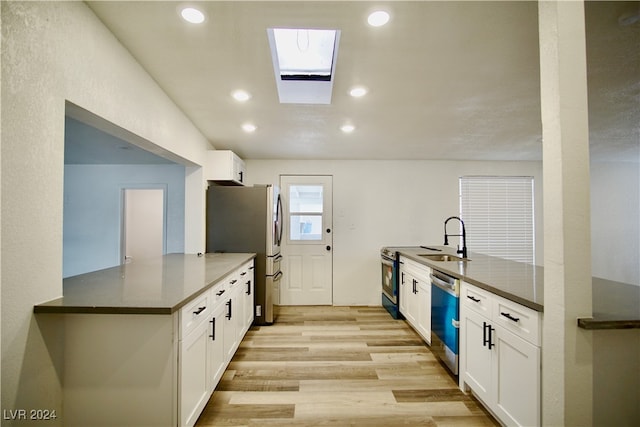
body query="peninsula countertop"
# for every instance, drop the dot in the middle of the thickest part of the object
(615, 305)
(516, 281)
(159, 285)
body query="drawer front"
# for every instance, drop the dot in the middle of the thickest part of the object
(246, 271)
(476, 299)
(420, 271)
(194, 313)
(518, 319)
(219, 292)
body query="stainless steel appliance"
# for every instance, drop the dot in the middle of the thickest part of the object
(389, 261)
(249, 219)
(445, 318)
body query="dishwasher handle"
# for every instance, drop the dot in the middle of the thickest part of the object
(444, 285)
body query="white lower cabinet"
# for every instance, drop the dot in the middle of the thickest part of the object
(208, 344)
(194, 390)
(500, 355)
(424, 309)
(152, 369)
(415, 296)
(215, 348)
(247, 292)
(231, 329)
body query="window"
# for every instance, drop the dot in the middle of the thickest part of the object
(305, 54)
(305, 212)
(498, 216)
(304, 63)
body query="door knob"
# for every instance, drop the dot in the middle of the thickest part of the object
(328, 230)
(328, 247)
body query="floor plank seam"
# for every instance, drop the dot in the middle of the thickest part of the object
(338, 366)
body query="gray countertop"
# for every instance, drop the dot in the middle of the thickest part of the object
(156, 286)
(516, 281)
(615, 305)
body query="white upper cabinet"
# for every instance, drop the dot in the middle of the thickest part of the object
(225, 167)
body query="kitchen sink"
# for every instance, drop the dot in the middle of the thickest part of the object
(442, 257)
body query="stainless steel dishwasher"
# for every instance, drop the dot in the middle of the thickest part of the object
(445, 318)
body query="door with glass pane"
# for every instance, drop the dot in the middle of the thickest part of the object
(307, 246)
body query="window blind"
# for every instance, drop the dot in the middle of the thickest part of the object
(498, 213)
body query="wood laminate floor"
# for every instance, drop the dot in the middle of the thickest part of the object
(338, 366)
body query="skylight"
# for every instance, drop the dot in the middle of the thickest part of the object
(304, 54)
(304, 63)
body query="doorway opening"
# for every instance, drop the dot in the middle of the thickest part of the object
(143, 223)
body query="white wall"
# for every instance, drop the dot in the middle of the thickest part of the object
(93, 207)
(615, 221)
(54, 52)
(383, 203)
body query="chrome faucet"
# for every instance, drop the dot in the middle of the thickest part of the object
(462, 251)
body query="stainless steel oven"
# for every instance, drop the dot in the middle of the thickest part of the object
(389, 279)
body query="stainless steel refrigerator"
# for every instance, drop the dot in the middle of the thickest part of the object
(249, 219)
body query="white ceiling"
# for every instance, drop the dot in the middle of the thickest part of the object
(447, 80)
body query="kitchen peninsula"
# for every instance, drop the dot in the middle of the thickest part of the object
(147, 342)
(501, 307)
(615, 304)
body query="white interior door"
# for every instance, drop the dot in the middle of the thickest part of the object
(307, 245)
(143, 222)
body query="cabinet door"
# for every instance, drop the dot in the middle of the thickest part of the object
(404, 292)
(517, 379)
(246, 294)
(230, 330)
(412, 303)
(424, 309)
(476, 360)
(193, 374)
(410, 299)
(238, 169)
(215, 349)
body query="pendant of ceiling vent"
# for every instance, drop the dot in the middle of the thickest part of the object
(304, 62)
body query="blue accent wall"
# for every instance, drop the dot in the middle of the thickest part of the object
(93, 211)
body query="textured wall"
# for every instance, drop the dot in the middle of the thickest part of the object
(93, 211)
(382, 203)
(54, 52)
(615, 221)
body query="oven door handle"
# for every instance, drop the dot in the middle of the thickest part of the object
(387, 261)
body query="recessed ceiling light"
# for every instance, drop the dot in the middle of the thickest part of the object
(241, 95)
(347, 128)
(378, 18)
(358, 91)
(192, 15)
(249, 127)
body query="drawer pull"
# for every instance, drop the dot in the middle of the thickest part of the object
(243, 273)
(510, 317)
(249, 287)
(234, 281)
(220, 292)
(474, 299)
(200, 310)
